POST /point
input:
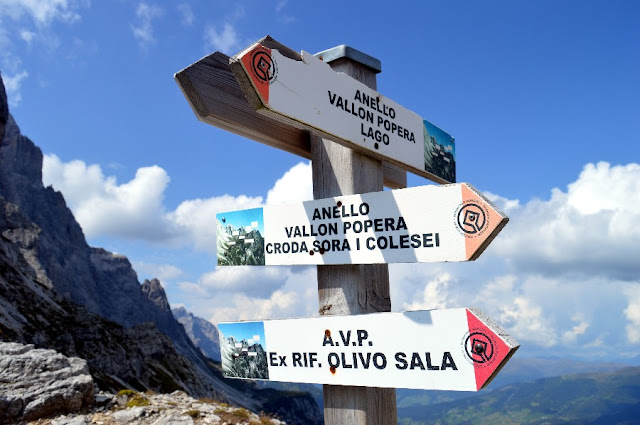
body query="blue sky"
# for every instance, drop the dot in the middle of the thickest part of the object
(541, 98)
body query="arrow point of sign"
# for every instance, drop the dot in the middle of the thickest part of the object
(255, 69)
(488, 346)
(252, 68)
(479, 219)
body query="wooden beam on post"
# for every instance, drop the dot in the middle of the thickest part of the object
(351, 289)
(217, 99)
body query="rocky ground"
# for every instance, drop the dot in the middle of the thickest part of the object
(177, 408)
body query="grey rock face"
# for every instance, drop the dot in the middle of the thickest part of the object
(202, 333)
(36, 383)
(4, 109)
(57, 292)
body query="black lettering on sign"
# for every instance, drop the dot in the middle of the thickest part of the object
(282, 360)
(295, 358)
(416, 362)
(346, 340)
(333, 359)
(273, 358)
(401, 361)
(379, 361)
(447, 361)
(429, 366)
(365, 360)
(327, 340)
(362, 335)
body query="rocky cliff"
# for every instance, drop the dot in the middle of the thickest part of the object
(203, 334)
(58, 292)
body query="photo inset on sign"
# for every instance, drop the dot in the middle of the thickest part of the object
(439, 152)
(243, 350)
(240, 239)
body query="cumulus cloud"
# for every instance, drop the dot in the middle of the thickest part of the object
(163, 272)
(435, 295)
(292, 292)
(132, 210)
(257, 281)
(294, 186)
(528, 319)
(589, 228)
(580, 328)
(143, 28)
(243, 307)
(547, 298)
(136, 210)
(197, 217)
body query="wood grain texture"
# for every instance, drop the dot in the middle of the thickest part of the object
(217, 99)
(351, 289)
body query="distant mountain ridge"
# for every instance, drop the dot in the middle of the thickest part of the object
(611, 398)
(58, 292)
(203, 334)
(517, 370)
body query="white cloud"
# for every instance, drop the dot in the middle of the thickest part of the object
(225, 40)
(280, 5)
(30, 22)
(27, 36)
(135, 209)
(435, 295)
(632, 313)
(528, 320)
(143, 28)
(580, 328)
(12, 84)
(294, 186)
(243, 307)
(187, 14)
(163, 272)
(555, 306)
(590, 228)
(504, 204)
(197, 217)
(42, 12)
(257, 281)
(132, 210)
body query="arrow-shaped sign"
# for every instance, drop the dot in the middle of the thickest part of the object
(454, 349)
(304, 91)
(420, 224)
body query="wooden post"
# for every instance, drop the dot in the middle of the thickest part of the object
(351, 289)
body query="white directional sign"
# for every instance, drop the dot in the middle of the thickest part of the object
(454, 349)
(420, 224)
(309, 94)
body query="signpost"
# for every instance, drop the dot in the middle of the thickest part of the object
(454, 349)
(217, 99)
(306, 92)
(291, 101)
(420, 224)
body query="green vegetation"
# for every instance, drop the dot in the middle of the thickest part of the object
(193, 413)
(137, 400)
(241, 413)
(126, 393)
